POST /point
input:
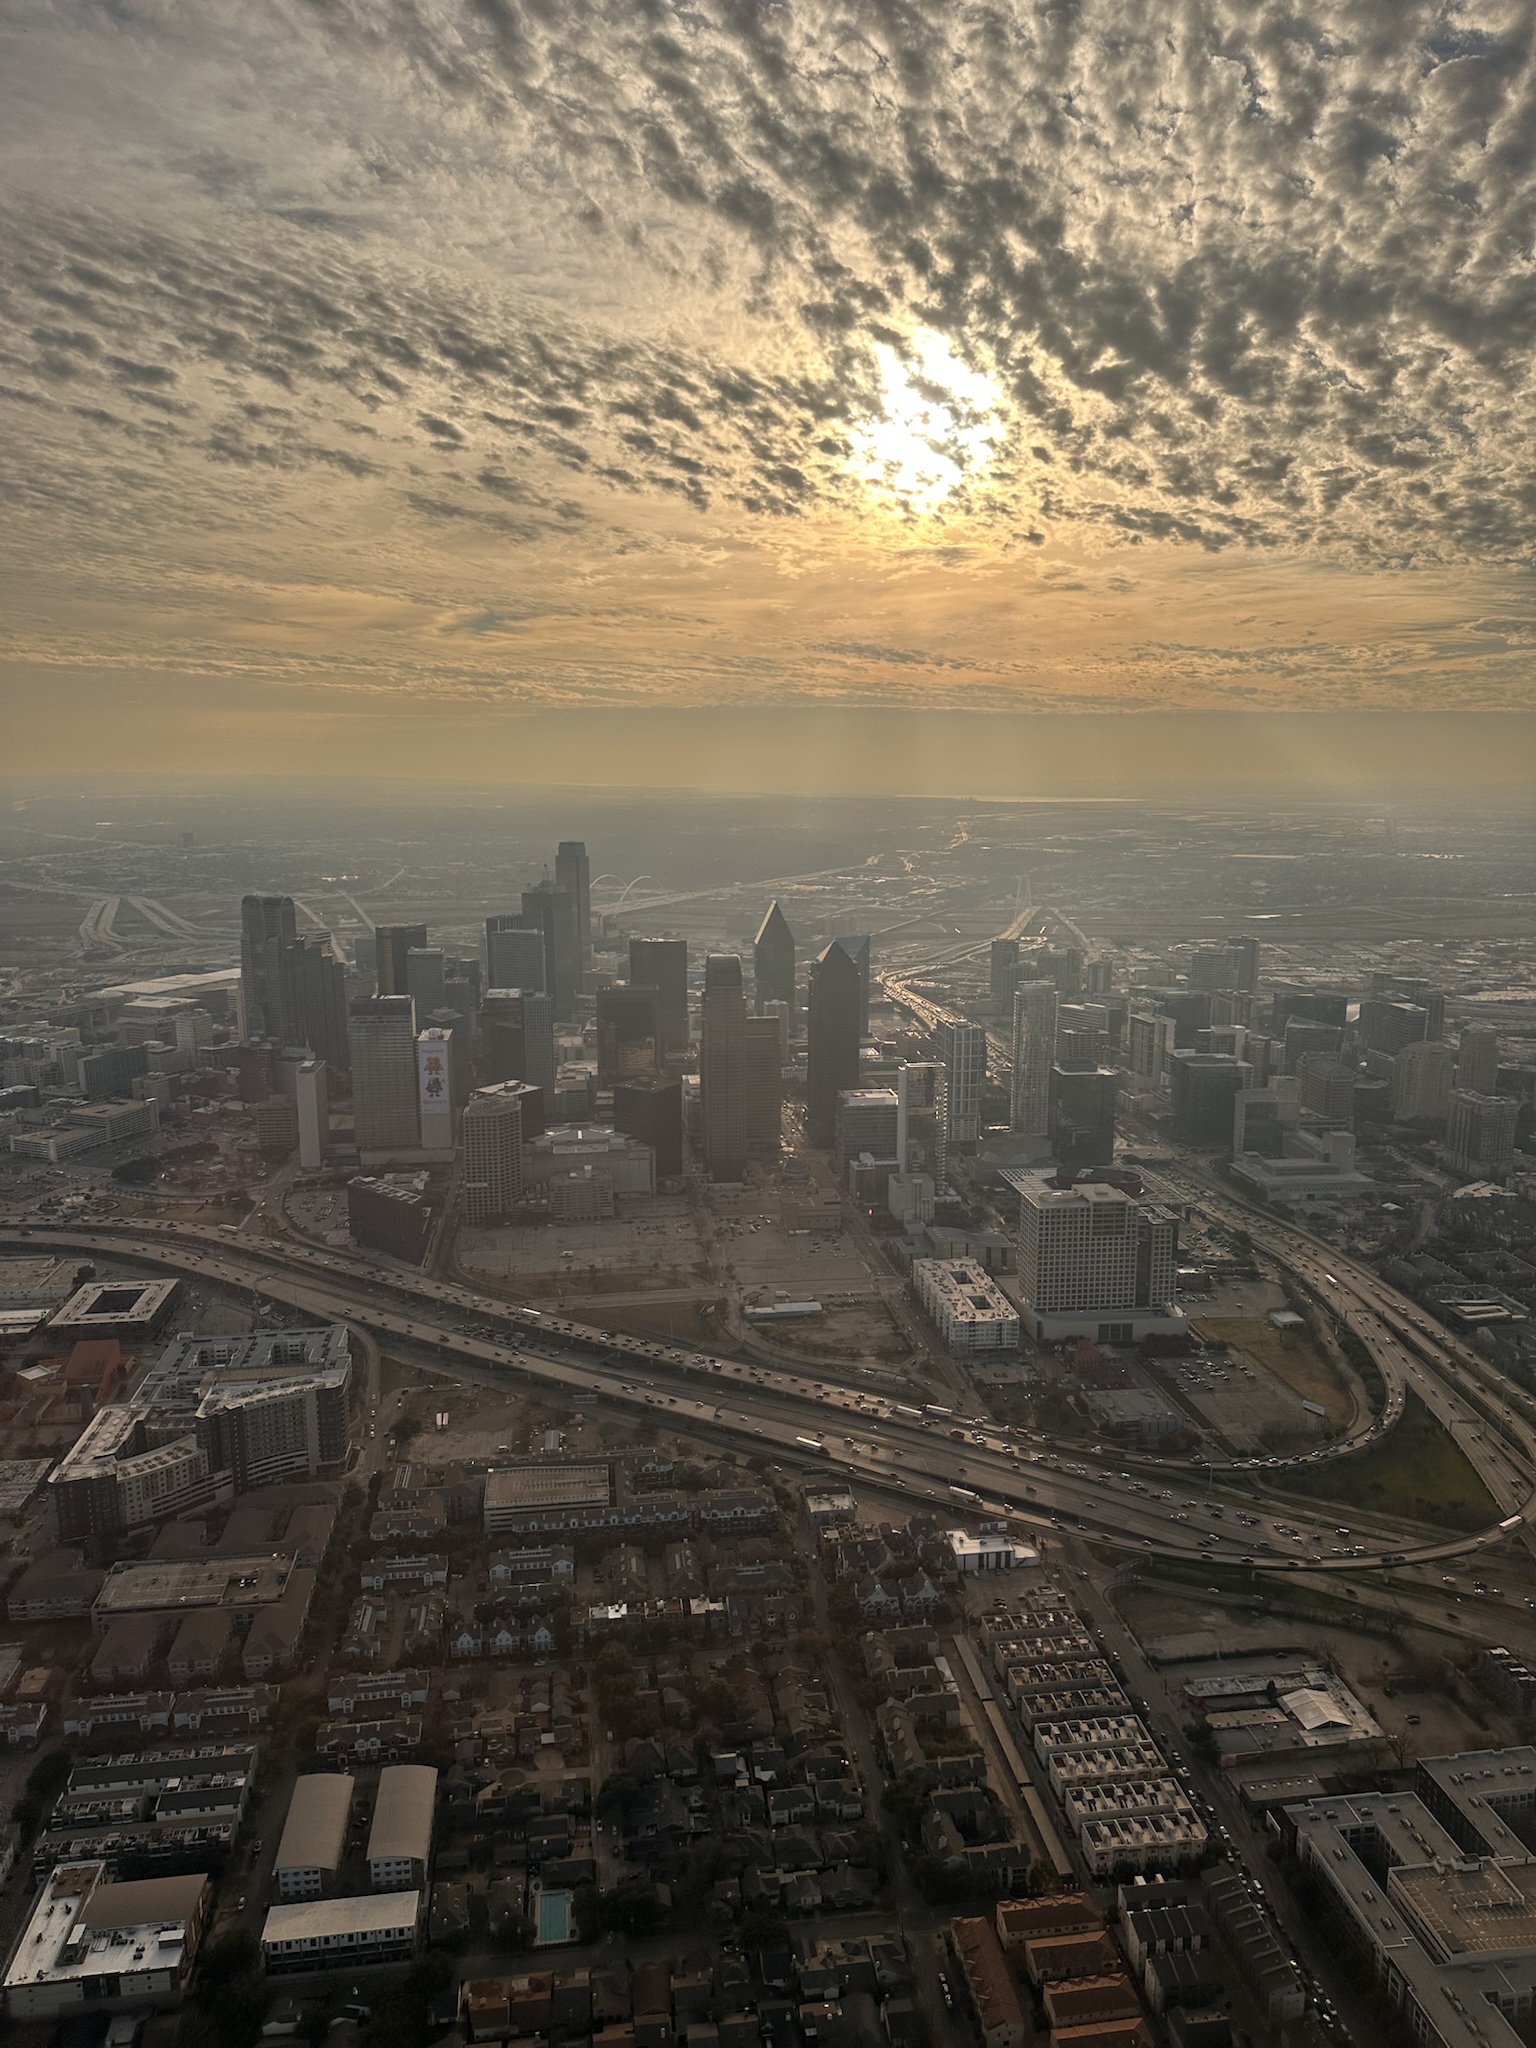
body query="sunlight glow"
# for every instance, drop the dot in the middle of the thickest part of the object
(939, 428)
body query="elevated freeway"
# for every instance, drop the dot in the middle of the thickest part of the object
(927, 1453)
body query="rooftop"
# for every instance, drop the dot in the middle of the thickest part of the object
(166, 1585)
(82, 1927)
(546, 1482)
(1470, 1909)
(321, 1919)
(402, 1814)
(316, 1827)
(105, 1307)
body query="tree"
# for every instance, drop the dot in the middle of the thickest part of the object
(632, 1908)
(402, 2020)
(761, 1927)
(585, 1913)
(229, 1989)
(616, 1795)
(45, 1781)
(904, 1801)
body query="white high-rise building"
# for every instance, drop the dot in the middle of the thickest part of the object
(1095, 1262)
(963, 1051)
(194, 1030)
(1423, 1075)
(1034, 1050)
(493, 1152)
(434, 1082)
(1149, 1047)
(314, 1115)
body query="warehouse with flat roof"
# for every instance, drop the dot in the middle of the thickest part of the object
(400, 1840)
(314, 1835)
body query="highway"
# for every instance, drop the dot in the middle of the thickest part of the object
(935, 1457)
(1493, 1421)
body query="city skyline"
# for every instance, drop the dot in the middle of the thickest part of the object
(506, 375)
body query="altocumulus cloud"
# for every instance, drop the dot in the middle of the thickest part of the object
(1239, 274)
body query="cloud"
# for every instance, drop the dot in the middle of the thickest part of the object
(611, 284)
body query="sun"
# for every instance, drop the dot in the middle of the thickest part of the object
(938, 428)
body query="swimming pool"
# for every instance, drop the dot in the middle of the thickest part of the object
(554, 1920)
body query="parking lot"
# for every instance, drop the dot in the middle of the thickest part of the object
(650, 1244)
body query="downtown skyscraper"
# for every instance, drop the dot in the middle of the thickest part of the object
(832, 1039)
(266, 927)
(573, 875)
(773, 962)
(962, 1048)
(723, 1068)
(1034, 1050)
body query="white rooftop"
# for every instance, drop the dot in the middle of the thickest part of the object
(323, 1919)
(85, 1928)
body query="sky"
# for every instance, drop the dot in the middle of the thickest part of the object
(490, 382)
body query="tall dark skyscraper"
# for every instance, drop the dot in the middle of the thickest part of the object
(391, 945)
(553, 912)
(1003, 975)
(266, 928)
(425, 974)
(628, 1035)
(573, 874)
(514, 953)
(856, 946)
(517, 1043)
(662, 964)
(723, 1068)
(833, 1032)
(773, 962)
(1245, 964)
(315, 997)
(1083, 1115)
(765, 1088)
(652, 1111)
(295, 989)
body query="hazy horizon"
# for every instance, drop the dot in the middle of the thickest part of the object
(817, 750)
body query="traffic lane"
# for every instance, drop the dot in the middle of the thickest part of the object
(1080, 1496)
(759, 1412)
(323, 1296)
(305, 1260)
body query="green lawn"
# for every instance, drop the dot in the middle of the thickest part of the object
(1290, 1355)
(1417, 1472)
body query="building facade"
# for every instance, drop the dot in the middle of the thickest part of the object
(773, 962)
(493, 1152)
(962, 1050)
(384, 1093)
(1094, 1261)
(662, 964)
(1480, 1134)
(723, 1068)
(832, 1040)
(1034, 1051)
